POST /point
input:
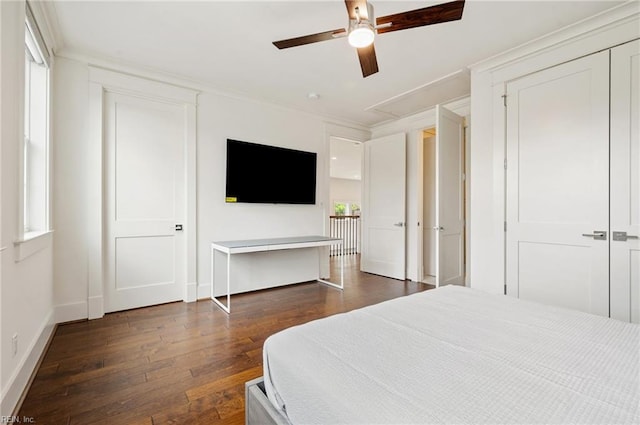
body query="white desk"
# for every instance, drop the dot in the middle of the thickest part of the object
(261, 245)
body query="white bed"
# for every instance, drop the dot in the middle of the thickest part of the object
(455, 355)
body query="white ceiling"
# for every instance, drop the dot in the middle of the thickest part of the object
(227, 45)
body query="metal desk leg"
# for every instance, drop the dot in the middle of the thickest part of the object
(326, 282)
(226, 308)
(342, 266)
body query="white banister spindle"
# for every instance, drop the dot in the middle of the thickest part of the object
(347, 228)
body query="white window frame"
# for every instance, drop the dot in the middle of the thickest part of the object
(34, 234)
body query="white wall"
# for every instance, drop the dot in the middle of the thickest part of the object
(26, 290)
(218, 117)
(345, 190)
(70, 189)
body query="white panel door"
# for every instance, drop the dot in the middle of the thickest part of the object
(145, 191)
(449, 198)
(557, 185)
(384, 207)
(625, 181)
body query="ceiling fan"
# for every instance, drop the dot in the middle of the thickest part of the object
(363, 26)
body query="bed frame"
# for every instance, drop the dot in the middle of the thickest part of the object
(258, 409)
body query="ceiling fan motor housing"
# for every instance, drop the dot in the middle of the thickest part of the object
(361, 29)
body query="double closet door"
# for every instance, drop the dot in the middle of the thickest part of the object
(573, 186)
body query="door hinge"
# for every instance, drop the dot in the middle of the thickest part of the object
(505, 226)
(504, 99)
(505, 289)
(464, 177)
(505, 163)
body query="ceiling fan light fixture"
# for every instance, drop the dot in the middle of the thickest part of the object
(361, 34)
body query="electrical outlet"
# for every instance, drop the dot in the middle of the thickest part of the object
(14, 345)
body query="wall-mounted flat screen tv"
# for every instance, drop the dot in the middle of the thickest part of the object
(269, 174)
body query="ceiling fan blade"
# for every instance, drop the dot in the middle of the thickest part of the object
(445, 12)
(311, 38)
(368, 61)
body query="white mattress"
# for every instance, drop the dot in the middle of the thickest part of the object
(457, 356)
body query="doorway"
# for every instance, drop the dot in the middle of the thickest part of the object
(427, 272)
(345, 195)
(441, 197)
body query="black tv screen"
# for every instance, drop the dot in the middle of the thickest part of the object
(269, 175)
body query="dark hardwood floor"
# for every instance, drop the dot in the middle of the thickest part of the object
(182, 363)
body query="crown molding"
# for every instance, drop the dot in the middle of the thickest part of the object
(112, 64)
(616, 16)
(47, 18)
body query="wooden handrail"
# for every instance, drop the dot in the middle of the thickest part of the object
(344, 216)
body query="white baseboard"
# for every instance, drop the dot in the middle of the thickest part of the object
(20, 380)
(204, 291)
(191, 292)
(95, 307)
(70, 312)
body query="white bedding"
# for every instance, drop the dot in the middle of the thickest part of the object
(457, 356)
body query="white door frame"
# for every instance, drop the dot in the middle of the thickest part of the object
(334, 130)
(420, 269)
(422, 228)
(100, 82)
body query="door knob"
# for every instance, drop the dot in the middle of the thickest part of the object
(622, 236)
(599, 235)
(178, 227)
(438, 228)
(398, 224)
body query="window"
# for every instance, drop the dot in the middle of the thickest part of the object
(346, 208)
(35, 160)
